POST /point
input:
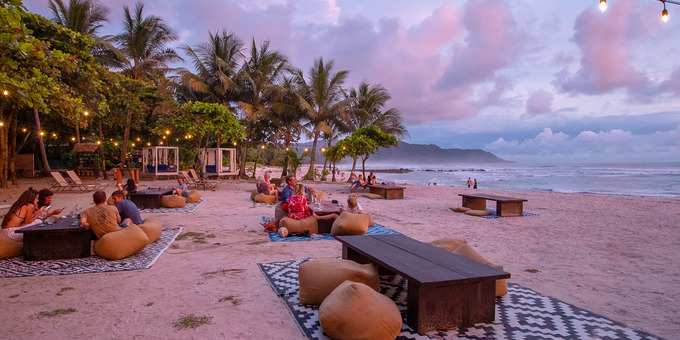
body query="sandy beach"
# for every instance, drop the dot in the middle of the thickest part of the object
(612, 255)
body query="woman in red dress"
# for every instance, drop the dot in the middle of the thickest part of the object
(297, 206)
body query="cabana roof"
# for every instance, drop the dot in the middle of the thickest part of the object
(86, 147)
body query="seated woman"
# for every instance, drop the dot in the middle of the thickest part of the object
(45, 200)
(263, 187)
(297, 206)
(129, 187)
(23, 213)
(371, 179)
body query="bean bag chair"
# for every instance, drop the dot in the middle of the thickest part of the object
(448, 244)
(194, 196)
(173, 201)
(9, 247)
(122, 243)
(467, 252)
(295, 226)
(459, 209)
(373, 196)
(279, 213)
(253, 193)
(350, 224)
(152, 228)
(477, 212)
(262, 198)
(319, 277)
(356, 311)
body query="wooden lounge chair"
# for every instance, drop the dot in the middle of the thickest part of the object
(90, 187)
(62, 184)
(203, 183)
(188, 181)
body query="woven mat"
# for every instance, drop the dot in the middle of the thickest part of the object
(376, 229)
(188, 208)
(17, 267)
(521, 314)
(493, 214)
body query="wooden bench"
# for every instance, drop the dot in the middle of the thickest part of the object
(505, 206)
(444, 290)
(388, 192)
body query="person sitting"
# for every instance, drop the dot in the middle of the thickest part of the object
(360, 183)
(126, 208)
(103, 218)
(298, 208)
(265, 187)
(371, 179)
(181, 189)
(116, 163)
(128, 188)
(23, 213)
(45, 200)
(353, 205)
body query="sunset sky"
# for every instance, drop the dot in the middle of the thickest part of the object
(528, 80)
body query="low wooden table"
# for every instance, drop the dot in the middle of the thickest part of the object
(388, 192)
(505, 206)
(444, 290)
(63, 240)
(149, 198)
(132, 173)
(327, 208)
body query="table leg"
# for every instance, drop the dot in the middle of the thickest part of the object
(474, 203)
(509, 208)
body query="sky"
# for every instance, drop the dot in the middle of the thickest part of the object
(531, 81)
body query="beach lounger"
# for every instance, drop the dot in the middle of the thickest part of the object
(203, 183)
(62, 184)
(90, 187)
(188, 180)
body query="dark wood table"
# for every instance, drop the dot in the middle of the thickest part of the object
(388, 192)
(149, 198)
(505, 206)
(327, 208)
(132, 173)
(444, 290)
(63, 240)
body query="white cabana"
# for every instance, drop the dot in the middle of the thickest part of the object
(219, 161)
(161, 160)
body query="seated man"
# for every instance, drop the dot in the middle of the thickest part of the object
(102, 218)
(116, 163)
(126, 208)
(181, 189)
(360, 183)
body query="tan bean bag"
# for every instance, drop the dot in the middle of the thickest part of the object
(356, 311)
(467, 252)
(477, 212)
(459, 209)
(448, 244)
(319, 277)
(350, 224)
(152, 228)
(279, 213)
(9, 247)
(194, 196)
(373, 196)
(122, 243)
(253, 193)
(295, 226)
(173, 201)
(262, 198)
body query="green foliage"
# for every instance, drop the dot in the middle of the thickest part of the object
(294, 162)
(192, 321)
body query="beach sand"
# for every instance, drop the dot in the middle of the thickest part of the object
(612, 255)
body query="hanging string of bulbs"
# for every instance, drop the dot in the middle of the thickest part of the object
(664, 13)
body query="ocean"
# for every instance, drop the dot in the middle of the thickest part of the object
(635, 179)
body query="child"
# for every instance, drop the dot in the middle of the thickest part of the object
(352, 205)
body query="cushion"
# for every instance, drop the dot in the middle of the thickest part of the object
(467, 252)
(122, 243)
(295, 226)
(152, 228)
(478, 212)
(459, 209)
(319, 277)
(9, 247)
(350, 224)
(279, 213)
(356, 311)
(173, 201)
(194, 196)
(448, 243)
(262, 198)
(253, 193)
(373, 196)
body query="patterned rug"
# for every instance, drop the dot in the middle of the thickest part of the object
(376, 229)
(188, 208)
(521, 314)
(17, 267)
(493, 214)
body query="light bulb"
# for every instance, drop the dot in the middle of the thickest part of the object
(664, 15)
(5, 92)
(603, 5)
(263, 146)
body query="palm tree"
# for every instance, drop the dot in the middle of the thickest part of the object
(287, 115)
(323, 94)
(82, 16)
(368, 108)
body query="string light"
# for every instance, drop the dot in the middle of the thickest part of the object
(86, 113)
(23, 130)
(262, 146)
(234, 143)
(54, 135)
(286, 149)
(115, 144)
(603, 5)
(73, 139)
(148, 144)
(2, 124)
(138, 139)
(323, 149)
(163, 137)
(5, 92)
(133, 145)
(664, 13)
(42, 133)
(306, 149)
(99, 142)
(161, 143)
(167, 132)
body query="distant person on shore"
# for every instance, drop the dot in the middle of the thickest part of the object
(475, 185)
(371, 179)
(469, 182)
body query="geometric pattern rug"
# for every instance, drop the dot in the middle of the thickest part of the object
(493, 214)
(375, 229)
(188, 208)
(520, 314)
(17, 267)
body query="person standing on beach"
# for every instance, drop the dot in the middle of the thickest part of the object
(475, 186)
(469, 182)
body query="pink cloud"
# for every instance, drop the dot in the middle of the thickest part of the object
(539, 102)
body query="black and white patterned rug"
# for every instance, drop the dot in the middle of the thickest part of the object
(521, 314)
(188, 208)
(375, 229)
(17, 267)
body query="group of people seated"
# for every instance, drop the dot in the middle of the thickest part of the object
(361, 183)
(104, 218)
(31, 208)
(265, 186)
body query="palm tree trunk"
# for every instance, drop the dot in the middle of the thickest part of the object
(324, 157)
(4, 160)
(333, 171)
(126, 137)
(310, 172)
(354, 166)
(43, 154)
(101, 151)
(257, 158)
(12, 149)
(363, 166)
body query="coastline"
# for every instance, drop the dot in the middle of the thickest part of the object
(611, 255)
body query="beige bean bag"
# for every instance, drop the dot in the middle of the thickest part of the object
(350, 224)
(319, 277)
(122, 243)
(356, 311)
(477, 212)
(448, 244)
(194, 196)
(373, 196)
(467, 252)
(319, 195)
(253, 193)
(279, 213)
(152, 228)
(295, 226)
(9, 247)
(173, 201)
(262, 198)
(459, 209)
